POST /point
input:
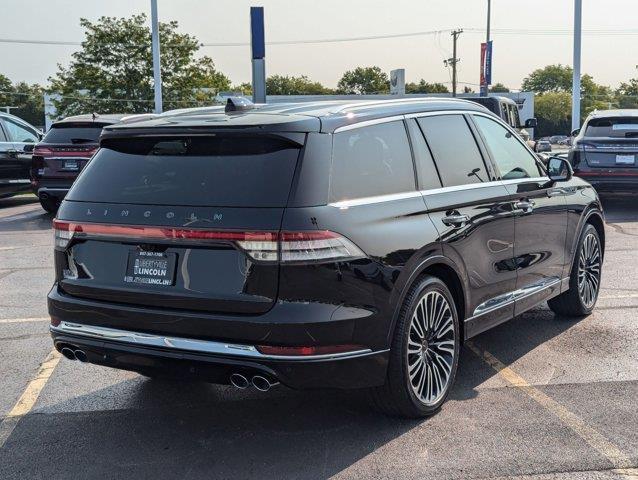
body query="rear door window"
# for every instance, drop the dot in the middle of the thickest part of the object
(509, 154)
(225, 171)
(371, 161)
(454, 148)
(73, 134)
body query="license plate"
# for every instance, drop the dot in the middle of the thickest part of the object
(625, 159)
(71, 165)
(151, 268)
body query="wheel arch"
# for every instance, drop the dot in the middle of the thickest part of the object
(449, 273)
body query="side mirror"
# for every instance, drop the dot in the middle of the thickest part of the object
(559, 169)
(531, 123)
(575, 132)
(28, 148)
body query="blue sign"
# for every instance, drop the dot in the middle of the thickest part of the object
(488, 63)
(257, 42)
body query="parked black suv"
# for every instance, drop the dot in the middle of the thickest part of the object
(605, 151)
(325, 244)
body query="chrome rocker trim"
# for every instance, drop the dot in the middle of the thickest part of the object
(188, 344)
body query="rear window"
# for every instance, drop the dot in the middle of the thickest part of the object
(73, 134)
(621, 127)
(229, 171)
(371, 161)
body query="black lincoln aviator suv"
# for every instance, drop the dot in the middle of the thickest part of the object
(326, 244)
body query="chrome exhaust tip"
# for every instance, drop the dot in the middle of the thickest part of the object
(68, 353)
(80, 355)
(262, 383)
(237, 380)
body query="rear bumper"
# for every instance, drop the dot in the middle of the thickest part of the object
(141, 339)
(216, 361)
(52, 192)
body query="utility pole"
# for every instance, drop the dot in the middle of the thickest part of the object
(578, 24)
(485, 88)
(157, 74)
(451, 62)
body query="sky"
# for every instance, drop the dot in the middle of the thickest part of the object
(610, 58)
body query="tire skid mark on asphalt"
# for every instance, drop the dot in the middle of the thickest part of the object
(24, 320)
(594, 438)
(28, 398)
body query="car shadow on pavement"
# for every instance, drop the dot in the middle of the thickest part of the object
(184, 430)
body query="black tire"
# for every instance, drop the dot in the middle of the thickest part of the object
(397, 396)
(50, 205)
(571, 303)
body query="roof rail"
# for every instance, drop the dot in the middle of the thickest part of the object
(372, 103)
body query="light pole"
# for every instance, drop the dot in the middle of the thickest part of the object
(485, 87)
(578, 26)
(157, 74)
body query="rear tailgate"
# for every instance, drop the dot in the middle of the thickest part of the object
(181, 222)
(611, 153)
(612, 143)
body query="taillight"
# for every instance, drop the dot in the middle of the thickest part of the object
(63, 233)
(585, 146)
(304, 351)
(316, 246)
(42, 152)
(287, 247)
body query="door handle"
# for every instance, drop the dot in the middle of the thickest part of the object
(526, 206)
(456, 220)
(12, 152)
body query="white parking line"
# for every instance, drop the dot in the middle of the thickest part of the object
(24, 320)
(28, 398)
(620, 295)
(594, 438)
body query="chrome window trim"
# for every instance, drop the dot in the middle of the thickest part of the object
(368, 123)
(458, 188)
(189, 344)
(375, 199)
(432, 191)
(515, 181)
(508, 298)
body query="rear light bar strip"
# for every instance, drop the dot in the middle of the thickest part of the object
(196, 345)
(286, 246)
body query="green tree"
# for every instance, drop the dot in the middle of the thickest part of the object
(558, 79)
(552, 78)
(115, 62)
(499, 88)
(27, 98)
(627, 94)
(364, 80)
(285, 85)
(553, 111)
(424, 87)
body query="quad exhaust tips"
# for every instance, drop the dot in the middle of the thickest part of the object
(71, 354)
(237, 380)
(261, 383)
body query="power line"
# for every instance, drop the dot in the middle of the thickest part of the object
(496, 31)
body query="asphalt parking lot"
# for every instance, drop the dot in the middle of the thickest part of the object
(540, 397)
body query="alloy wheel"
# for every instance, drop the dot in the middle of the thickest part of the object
(589, 270)
(430, 353)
